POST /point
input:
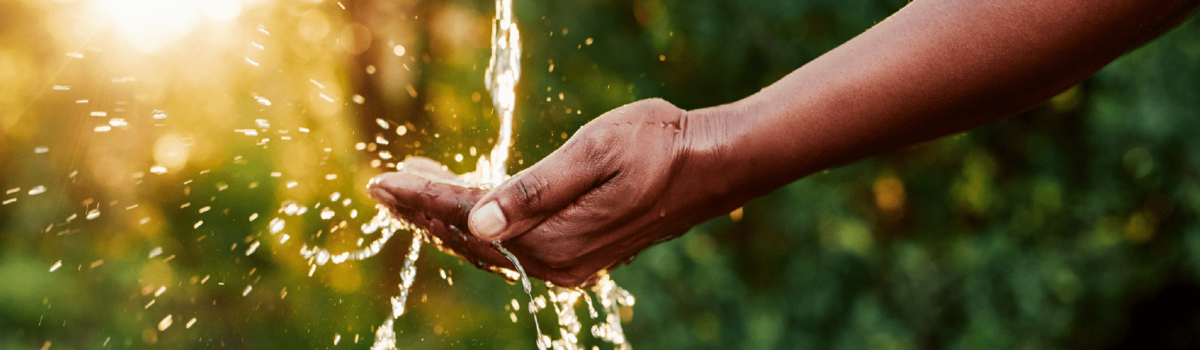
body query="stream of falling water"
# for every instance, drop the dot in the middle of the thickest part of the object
(503, 72)
(501, 77)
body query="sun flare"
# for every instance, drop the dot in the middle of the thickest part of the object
(149, 25)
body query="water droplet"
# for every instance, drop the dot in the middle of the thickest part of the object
(276, 225)
(164, 324)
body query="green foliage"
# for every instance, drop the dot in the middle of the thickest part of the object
(1072, 225)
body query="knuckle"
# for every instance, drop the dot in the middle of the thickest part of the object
(597, 135)
(659, 104)
(596, 142)
(525, 193)
(660, 107)
(530, 190)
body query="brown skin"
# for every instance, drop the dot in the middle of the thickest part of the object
(649, 171)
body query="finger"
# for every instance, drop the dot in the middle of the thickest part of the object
(428, 167)
(446, 202)
(570, 244)
(439, 208)
(531, 196)
(588, 236)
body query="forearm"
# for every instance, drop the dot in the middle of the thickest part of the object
(934, 68)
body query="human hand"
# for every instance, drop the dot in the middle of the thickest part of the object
(424, 194)
(635, 176)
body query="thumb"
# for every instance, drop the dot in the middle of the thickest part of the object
(531, 196)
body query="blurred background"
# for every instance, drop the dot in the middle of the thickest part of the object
(148, 145)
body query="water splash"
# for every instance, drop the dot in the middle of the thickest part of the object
(612, 297)
(533, 307)
(385, 336)
(501, 77)
(382, 222)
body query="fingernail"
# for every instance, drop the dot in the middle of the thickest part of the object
(488, 221)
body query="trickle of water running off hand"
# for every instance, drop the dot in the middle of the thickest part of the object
(533, 308)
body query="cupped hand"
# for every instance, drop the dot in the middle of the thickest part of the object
(636, 176)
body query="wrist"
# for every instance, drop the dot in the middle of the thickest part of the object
(716, 152)
(755, 145)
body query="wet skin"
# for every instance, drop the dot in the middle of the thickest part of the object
(429, 197)
(649, 171)
(634, 182)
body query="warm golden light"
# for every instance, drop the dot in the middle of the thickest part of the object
(149, 25)
(171, 152)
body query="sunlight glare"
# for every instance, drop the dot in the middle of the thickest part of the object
(151, 24)
(171, 151)
(223, 10)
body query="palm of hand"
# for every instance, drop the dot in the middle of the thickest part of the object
(624, 182)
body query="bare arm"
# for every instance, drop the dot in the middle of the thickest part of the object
(648, 171)
(934, 68)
